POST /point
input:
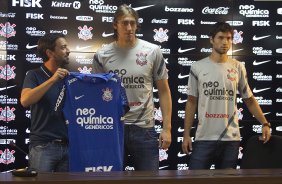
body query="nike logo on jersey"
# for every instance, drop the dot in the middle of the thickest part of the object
(181, 101)
(8, 87)
(82, 48)
(255, 38)
(78, 97)
(141, 7)
(184, 50)
(260, 90)
(261, 62)
(180, 76)
(111, 61)
(107, 34)
(30, 46)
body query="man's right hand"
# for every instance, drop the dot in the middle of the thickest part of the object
(60, 74)
(187, 144)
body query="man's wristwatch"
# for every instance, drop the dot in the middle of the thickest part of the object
(266, 124)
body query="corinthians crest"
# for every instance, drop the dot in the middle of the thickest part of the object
(7, 114)
(7, 72)
(160, 35)
(107, 95)
(85, 32)
(85, 70)
(7, 156)
(141, 59)
(231, 74)
(237, 37)
(7, 30)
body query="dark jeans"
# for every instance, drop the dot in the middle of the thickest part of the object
(49, 157)
(142, 146)
(224, 154)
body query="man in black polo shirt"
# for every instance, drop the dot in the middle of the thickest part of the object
(48, 151)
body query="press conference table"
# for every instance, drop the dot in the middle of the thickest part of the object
(258, 176)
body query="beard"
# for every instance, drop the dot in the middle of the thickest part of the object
(221, 51)
(62, 62)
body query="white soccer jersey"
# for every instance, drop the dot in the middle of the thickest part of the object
(216, 86)
(138, 68)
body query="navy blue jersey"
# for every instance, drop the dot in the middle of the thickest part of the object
(94, 105)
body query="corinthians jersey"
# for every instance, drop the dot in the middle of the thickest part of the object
(93, 107)
(138, 68)
(216, 86)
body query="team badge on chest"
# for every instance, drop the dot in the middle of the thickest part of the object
(232, 74)
(141, 59)
(107, 95)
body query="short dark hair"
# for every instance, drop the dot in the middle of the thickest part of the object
(48, 41)
(122, 10)
(221, 27)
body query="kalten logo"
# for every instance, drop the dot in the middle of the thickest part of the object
(160, 35)
(7, 156)
(7, 30)
(85, 33)
(235, 23)
(7, 72)
(84, 18)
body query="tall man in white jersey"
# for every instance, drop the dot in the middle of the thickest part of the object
(139, 64)
(212, 86)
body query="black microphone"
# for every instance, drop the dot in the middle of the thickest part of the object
(25, 172)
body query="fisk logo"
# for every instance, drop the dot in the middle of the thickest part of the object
(99, 169)
(107, 19)
(27, 3)
(186, 21)
(260, 23)
(34, 16)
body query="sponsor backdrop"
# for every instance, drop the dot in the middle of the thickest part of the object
(181, 30)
